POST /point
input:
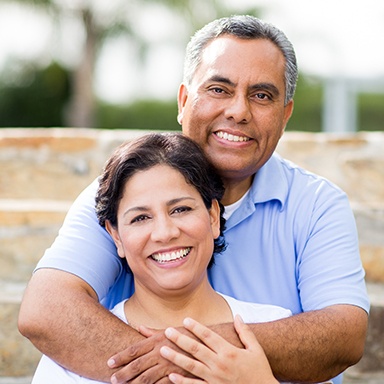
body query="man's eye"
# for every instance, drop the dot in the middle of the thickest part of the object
(262, 96)
(217, 90)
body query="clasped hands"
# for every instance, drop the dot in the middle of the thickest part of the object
(192, 355)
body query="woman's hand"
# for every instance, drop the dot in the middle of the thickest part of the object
(216, 361)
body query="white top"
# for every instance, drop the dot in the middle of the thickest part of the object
(50, 372)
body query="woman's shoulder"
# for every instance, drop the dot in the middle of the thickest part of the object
(256, 312)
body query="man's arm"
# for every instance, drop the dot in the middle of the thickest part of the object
(61, 316)
(309, 347)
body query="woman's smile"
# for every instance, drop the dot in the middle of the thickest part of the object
(171, 256)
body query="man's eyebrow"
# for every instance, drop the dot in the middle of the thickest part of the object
(221, 79)
(259, 86)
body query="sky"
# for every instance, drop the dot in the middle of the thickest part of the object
(331, 38)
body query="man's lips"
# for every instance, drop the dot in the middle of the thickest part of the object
(231, 137)
(166, 257)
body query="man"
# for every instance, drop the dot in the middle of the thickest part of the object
(291, 235)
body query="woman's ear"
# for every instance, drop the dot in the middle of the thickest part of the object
(116, 238)
(214, 213)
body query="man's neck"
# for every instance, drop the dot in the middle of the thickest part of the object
(235, 190)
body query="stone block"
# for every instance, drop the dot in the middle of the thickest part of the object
(373, 360)
(370, 225)
(54, 163)
(18, 357)
(42, 164)
(355, 162)
(27, 229)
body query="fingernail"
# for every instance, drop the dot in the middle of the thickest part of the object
(168, 332)
(187, 321)
(164, 351)
(111, 363)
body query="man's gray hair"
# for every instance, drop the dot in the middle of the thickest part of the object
(243, 27)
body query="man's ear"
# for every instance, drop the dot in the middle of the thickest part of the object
(116, 238)
(288, 110)
(214, 213)
(182, 97)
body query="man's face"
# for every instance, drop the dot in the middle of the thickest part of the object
(234, 106)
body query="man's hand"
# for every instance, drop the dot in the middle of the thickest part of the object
(143, 363)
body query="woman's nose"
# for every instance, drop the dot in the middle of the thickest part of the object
(164, 230)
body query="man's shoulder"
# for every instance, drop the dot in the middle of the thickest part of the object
(298, 174)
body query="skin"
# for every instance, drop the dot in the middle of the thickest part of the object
(238, 89)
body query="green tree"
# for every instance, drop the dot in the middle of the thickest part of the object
(100, 21)
(31, 97)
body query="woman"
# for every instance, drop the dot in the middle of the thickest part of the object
(158, 198)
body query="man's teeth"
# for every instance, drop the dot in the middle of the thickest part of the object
(230, 137)
(170, 256)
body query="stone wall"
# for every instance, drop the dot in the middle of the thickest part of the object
(43, 170)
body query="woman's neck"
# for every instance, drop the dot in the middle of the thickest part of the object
(160, 311)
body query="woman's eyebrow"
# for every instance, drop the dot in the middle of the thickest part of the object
(145, 208)
(136, 209)
(179, 199)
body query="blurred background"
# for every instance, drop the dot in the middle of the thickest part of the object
(118, 63)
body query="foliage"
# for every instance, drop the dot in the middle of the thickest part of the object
(34, 98)
(142, 114)
(307, 107)
(371, 112)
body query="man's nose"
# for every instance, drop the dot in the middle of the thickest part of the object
(239, 109)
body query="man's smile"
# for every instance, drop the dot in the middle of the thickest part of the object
(231, 137)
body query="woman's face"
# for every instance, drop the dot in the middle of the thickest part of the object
(165, 231)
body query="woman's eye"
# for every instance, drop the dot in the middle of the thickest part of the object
(181, 209)
(139, 218)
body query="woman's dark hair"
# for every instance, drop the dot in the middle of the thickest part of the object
(172, 149)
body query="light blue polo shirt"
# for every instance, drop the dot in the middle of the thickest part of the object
(292, 243)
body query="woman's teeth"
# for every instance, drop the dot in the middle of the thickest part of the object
(170, 256)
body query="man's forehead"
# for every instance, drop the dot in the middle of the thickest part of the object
(226, 53)
(225, 45)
